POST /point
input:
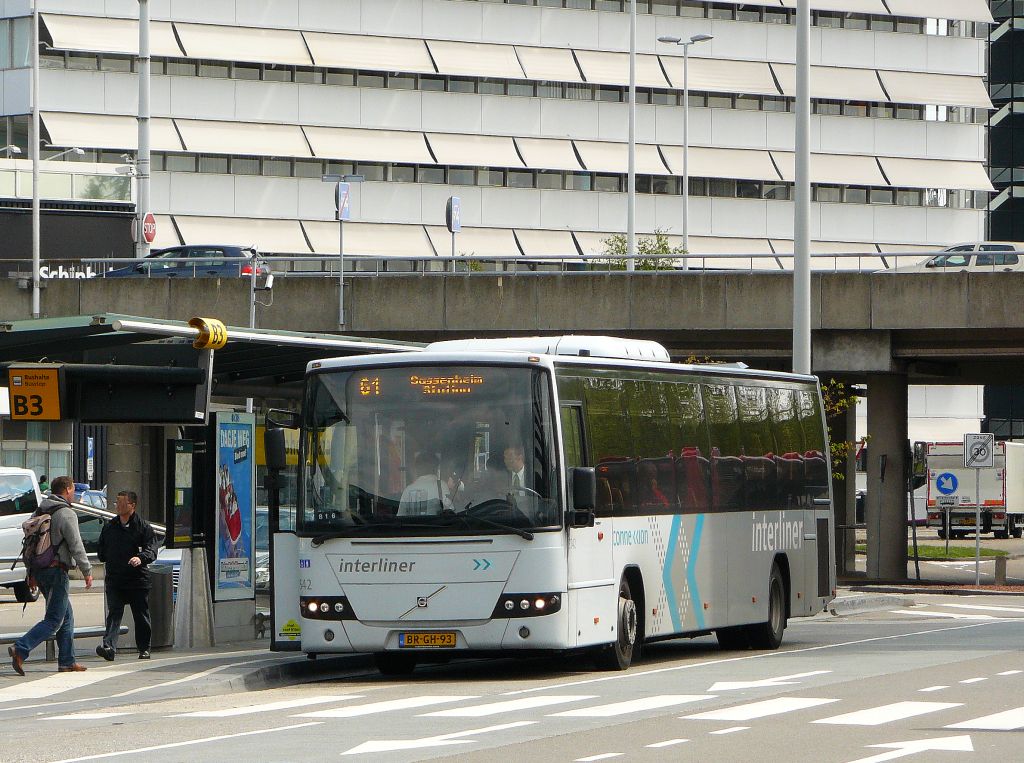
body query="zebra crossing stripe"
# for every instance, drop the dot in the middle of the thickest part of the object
(897, 711)
(385, 706)
(761, 709)
(512, 705)
(632, 706)
(268, 707)
(1008, 720)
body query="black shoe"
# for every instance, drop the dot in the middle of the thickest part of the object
(144, 654)
(106, 652)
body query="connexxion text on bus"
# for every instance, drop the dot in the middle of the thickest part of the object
(514, 496)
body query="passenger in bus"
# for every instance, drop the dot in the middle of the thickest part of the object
(427, 494)
(651, 495)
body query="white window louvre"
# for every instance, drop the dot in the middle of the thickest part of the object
(614, 157)
(607, 68)
(833, 168)
(851, 6)
(477, 242)
(738, 163)
(935, 173)
(269, 236)
(374, 239)
(476, 59)
(369, 145)
(548, 154)
(963, 10)
(721, 76)
(835, 82)
(704, 248)
(389, 54)
(549, 64)
(237, 43)
(107, 131)
(246, 138)
(104, 35)
(867, 256)
(546, 243)
(936, 89)
(592, 243)
(474, 150)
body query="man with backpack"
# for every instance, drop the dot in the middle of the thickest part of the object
(61, 548)
(127, 546)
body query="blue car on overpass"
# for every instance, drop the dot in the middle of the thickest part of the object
(195, 261)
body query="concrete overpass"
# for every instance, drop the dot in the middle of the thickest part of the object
(884, 330)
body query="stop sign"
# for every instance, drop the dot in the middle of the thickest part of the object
(149, 227)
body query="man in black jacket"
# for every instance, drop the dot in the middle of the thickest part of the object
(127, 547)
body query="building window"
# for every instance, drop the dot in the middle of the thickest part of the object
(722, 188)
(277, 167)
(489, 86)
(180, 163)
(748, 189)
(461, 176)
(430, 174)
(213, 69)
(881, 196)
(490, 177)
(308, 168)
(461, 85)
(776, 191)
(827, 193)
(608, 183)
(370, 171)
(855, 195)
(181, 68)
(309, 75)
(277, 73)
(245, 165)
(213, 164)
(520, 179)
(578, 181)
(402, 173)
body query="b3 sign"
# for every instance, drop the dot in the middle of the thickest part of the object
(34, 392)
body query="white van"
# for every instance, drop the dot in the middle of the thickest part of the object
(977, 257)
(19, 498)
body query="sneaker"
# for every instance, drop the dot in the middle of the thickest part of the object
(76, 668)
(16, 661)
(106, 652)
(144, 654)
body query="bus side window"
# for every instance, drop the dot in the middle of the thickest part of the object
(727, 480)
(816, 472)
(789, 444)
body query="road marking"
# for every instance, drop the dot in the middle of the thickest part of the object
(974, 680)
(512, 705)
(390, 745)
(902, 749)
(761, 656)
(82, 716)
(761, 709)
(602, 756)
(1008, 720)
(57, 684)
(265, 708)
(730, 730)
(897, 711)
(187, 743)
(385, 706)
(632, 706)
(1010, 672)
(983, 607)
(766, 682)
(950, 615)
(667, 743)
(934, 688)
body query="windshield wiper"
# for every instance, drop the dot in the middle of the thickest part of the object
(318, 540)
(466, 518)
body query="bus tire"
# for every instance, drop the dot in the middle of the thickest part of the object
(619, 655)
(733, 638)
(1015, 531)
(941, 532)
(768, 635)
(394, 663)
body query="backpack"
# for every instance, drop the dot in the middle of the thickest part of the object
(37, 549)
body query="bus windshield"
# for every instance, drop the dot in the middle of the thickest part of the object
(439, 450)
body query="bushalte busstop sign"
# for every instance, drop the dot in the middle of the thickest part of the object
(35, 392)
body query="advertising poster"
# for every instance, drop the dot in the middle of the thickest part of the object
(236, 478)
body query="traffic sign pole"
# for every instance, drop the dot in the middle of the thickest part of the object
(977, 526)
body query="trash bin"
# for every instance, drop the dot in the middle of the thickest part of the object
(161, 610)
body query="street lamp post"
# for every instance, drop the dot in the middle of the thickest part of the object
(343, 210)
(631, 168)
(34, 137)
(12, 150)
(76, 151)
(142, 162)
(685, 45)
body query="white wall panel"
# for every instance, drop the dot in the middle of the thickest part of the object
(898, 51)
(266, 101)
(845, 47)
(446, 112)
(955, 55)
(441, 21)
(510, 116)
(195, 194)
(845, 222)
(399, 18)
(560, 119)
(509, 23)
(739, 217)
(669, 125)
(337, 106)
(331, 15)
(510, 207)
(742, 41)
(900, 224)
(577, 30)
(435, 200)
(276, 198)
(611, 212)
(780, 220)
(780, 128)
(71, 91)
(385, 202)
(668, 213)
(280, 14)
(846, 135)
(17, 86)
(203, 11)
(899, 137)
(201, 98)
(948, 140)
(160, 191)
(739, 129)
(121, 94)
(951, 226)
(391, 109)
(565, 209)
(316, 199)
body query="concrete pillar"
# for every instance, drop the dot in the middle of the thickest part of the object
(886, 512)
(844, 492)
(127, 461)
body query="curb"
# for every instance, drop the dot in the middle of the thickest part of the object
(272, 676)
(939, 589)
(855, 604)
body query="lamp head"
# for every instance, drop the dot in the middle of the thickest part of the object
(670, 40)
(12, 149)
(78, 151)
(702, 37)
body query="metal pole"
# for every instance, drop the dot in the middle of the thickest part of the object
(142, 164)
(341, 272)
(631, 180)
(453, 254)
(686, 150)
(35, 138)
(802, 207)
(252, 314)
(977, 526)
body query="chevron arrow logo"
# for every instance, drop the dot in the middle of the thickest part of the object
(481, 564)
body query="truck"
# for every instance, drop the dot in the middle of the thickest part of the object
(951, 491)
(19, 498)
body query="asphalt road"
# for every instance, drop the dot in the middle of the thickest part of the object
(942, 679)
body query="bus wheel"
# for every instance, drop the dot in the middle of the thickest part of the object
(733, 638)
(394, 663)
(941, 532)
(1015, 531)
(619, 655)
(768, 635)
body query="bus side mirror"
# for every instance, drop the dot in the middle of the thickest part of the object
(584, 488)
(276, 417)
(273, 447)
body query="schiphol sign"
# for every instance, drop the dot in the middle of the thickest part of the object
(46, 272)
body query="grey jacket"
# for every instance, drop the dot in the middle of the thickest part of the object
(64, 533)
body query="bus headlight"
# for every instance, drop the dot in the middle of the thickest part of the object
(526, 605)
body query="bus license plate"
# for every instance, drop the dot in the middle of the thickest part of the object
(435, 639)
(967, 521)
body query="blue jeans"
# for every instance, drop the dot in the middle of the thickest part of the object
(59, 619)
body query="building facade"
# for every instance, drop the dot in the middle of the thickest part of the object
(520, 109)
(1006, 123)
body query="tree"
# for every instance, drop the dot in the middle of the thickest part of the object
(656, 252)
(837, 401)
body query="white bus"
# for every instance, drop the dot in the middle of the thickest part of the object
(569, 494)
